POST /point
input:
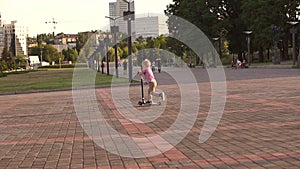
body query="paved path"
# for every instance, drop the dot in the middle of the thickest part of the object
(259, 128)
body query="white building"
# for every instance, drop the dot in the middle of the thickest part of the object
(16, 38)
(112, 11)
(34, 60)
(116, 10)
(151, 26)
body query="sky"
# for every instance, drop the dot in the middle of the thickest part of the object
(72, 16)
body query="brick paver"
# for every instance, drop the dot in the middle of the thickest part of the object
(259, 128)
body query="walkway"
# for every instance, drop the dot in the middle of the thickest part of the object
(259, 128)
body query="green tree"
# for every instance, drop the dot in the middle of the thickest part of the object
(47, 38)
(111, 54)
(50, 53)
(60, 57)
(206, 15)
(229, 19)
(4, 65)
(269, 13)
(36, 50)
(70, 55)
(82, 39)
(21, 61)
(11, 61)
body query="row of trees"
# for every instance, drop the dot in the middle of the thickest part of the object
(44, 48)
(9, 61)
(228, 19)
(50, 54)
(151, 48)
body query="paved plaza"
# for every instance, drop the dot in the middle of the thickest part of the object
(260, 126)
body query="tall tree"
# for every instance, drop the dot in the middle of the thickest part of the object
(70, 55)
(233, 17)
(269, 24)
(81, 40)
(213, 17)
(50, 53)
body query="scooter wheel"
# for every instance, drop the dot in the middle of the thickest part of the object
(140, 103)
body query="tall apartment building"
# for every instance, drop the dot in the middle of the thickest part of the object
(112, 11)
(15, 38)
(116, 9)
(1, 37)
(151, 26)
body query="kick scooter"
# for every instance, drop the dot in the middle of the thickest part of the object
(143, 102)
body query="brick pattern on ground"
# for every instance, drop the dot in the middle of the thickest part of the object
(259, 129)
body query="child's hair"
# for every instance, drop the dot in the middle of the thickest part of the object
(146, 63)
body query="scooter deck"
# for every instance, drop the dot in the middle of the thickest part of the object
(149, 104)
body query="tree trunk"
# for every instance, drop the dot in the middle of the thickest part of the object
(240, 55)
(285, 49)
(261, 54)
(268, 55)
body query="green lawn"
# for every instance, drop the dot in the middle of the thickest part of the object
(44, 79)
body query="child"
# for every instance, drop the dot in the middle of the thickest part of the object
(238, 63)
(149, 76)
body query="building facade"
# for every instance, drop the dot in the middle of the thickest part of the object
(151, 26)
(2, 42)
(65, 38)
(15, 38)
(116, 10)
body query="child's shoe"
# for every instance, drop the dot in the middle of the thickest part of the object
(162, 95)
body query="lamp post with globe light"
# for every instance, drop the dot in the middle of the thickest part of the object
(216, 39)
(293, 31)
(248, 33)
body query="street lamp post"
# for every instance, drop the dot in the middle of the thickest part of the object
(214, 56)
(98, 62)
(41, 55)
(106, 40)
(102, 53)
(248, 33)
(128, 15)
(293, 32)
(169, 56)
(114, 29)
(96, 57)
(181, 56)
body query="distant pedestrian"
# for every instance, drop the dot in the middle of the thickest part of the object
(158, 66)
(102, 67)
(153, 66)
(125, 65)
